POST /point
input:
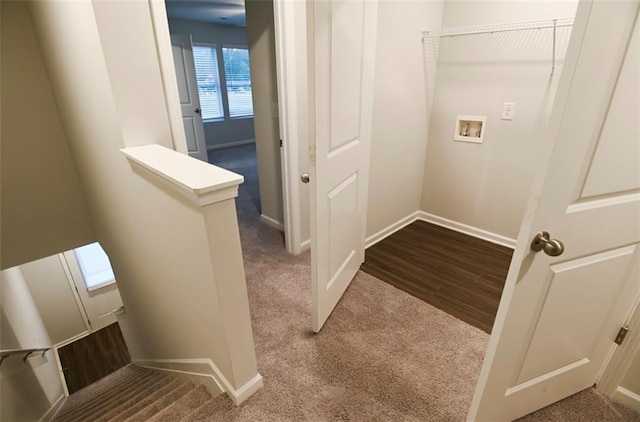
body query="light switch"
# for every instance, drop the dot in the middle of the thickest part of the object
(507, 111)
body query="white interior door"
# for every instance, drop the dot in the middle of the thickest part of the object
(99, 304)
(559, 315)
(344, 58)
(189, 100)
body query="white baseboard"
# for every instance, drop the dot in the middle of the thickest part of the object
(53, 410)
(628, 398)
(305, 246)
(271, 222)
(466, 229)
(231, 144)
(206, 372)
(388, 231)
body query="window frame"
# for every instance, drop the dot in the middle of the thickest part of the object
(226, 90)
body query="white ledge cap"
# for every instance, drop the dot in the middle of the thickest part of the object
(201, 182)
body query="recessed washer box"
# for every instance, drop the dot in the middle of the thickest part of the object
(470, 128)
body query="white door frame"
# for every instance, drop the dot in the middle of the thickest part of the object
(622, 357)
(293, 123)
(291, 65)
(168, 71)
(292, 115)
(292, 86)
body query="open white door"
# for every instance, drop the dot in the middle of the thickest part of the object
(343, 42)
(189, 100)
(559, 315)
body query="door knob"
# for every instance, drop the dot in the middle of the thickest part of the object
(305, 178)
(543, 242)
(198, 110)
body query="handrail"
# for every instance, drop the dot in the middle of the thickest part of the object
(27, 352)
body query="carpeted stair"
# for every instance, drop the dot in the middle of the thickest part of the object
(136, 394)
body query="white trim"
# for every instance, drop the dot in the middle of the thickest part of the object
(55, 349)
(272, 222)
(198, 181)
(305, 246)
(53, 410)
(162, 39)
(101, 285)
(442, 222)
(231, 144)
(628, 398)
(76, 296)
(622, 357)
(205, 371)
(391, 229)
(71, 339)
(290, 79)
(466, 229)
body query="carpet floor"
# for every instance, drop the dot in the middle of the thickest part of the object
(382, 356)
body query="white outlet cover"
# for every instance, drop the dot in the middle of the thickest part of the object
(508, 110)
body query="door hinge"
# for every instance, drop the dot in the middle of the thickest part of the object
(621, 334)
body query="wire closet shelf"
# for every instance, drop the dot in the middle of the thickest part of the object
(432, 37)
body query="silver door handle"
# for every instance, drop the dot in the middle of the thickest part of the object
(543, 242)
(305, 178)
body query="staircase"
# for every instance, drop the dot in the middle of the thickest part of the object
(136, 394)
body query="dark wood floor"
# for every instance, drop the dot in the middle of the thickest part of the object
(93, 357)
(459, 274)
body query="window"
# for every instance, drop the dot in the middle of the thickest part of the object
(237, 76)
(95, 266)
(205, 59)
(236, 71)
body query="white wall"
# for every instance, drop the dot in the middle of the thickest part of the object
(28, 390)
(229, 130)
(43, 207)
(156, 240)
(262, 53)
(487, 185)
(52, 295)
(399, 124)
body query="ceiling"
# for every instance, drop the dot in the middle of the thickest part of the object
(221, 12)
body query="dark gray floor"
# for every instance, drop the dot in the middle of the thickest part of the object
(242, 160)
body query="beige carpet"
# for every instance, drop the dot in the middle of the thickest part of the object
(382, 356)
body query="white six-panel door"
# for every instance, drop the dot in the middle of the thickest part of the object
(344, 35)
(559, 315)
(189, 101)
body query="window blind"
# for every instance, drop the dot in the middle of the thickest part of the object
(205, 59)
(238, 77)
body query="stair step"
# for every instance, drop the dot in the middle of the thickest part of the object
(119, 396)
(185, 405)
(209, 409)
(138, 402)
(95, 402)
(137, 394)
(159, 404)
(130, 372)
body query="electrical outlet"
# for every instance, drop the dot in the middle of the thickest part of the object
(507, 111)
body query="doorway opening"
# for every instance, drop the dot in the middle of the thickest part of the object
(224, 54)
